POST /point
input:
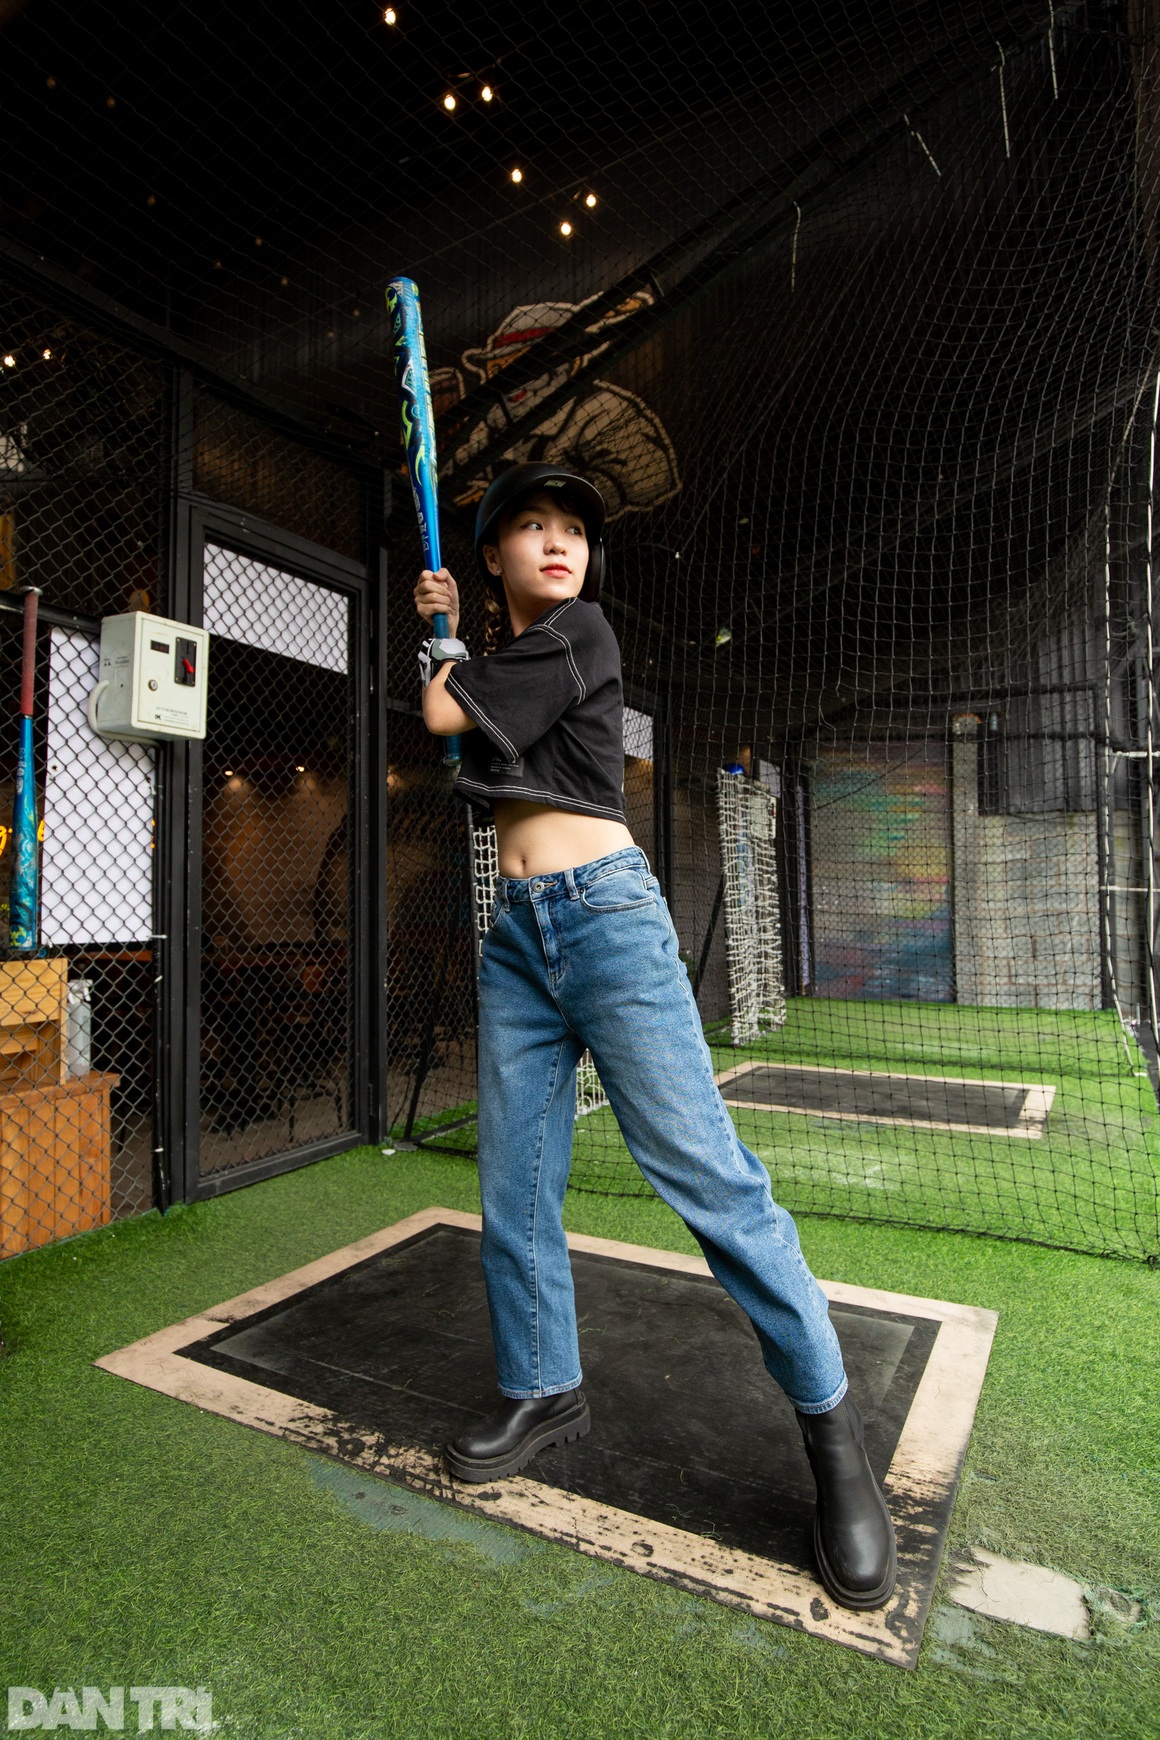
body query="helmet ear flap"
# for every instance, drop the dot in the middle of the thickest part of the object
(595, 572)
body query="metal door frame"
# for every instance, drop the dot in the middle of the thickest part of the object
(180, 851)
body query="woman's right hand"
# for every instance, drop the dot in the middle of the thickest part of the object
(437, 594)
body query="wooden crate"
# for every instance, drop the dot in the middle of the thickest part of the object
(55, 1148)
(33, 1023)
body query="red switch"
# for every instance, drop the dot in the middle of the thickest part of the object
(185, 664)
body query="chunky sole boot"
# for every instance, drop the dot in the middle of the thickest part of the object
(507, 1440)
(853, 1534)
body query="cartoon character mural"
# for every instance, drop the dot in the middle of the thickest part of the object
(605, 433)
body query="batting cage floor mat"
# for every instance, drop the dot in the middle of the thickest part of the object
(933, 1102)
(694, 1470)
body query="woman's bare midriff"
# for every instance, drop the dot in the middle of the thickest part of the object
(534, 839)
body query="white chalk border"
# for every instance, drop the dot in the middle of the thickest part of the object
(920, 1483)
(1038, 1097)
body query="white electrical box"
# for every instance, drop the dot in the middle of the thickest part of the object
(153, 679)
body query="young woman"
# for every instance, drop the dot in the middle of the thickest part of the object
(581, 952)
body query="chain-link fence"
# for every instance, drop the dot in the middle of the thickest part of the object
(88, 507)
(82, 511)
(276, 971)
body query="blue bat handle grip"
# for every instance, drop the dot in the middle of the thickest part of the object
(452, 753)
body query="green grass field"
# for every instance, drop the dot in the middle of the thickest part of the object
(145, 1542)
(1090, 1183)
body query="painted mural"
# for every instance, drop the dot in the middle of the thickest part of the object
(605, 433)
(880, 840)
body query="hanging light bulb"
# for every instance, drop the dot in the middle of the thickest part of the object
(487, 93)
(517, 175)
(565, 228)
(590, 201)
(449, 102)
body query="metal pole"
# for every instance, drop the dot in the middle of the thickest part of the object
(1149, 842)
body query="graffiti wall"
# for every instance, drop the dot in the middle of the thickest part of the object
(880, 884)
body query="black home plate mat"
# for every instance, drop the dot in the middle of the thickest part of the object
(932, 1102)
(694, 1470)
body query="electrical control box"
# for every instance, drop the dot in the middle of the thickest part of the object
(152, 679)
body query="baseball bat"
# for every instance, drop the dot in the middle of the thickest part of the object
(418, 420)
(24, 892)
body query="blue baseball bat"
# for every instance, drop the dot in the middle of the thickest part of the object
(418, 421)
(24, 889)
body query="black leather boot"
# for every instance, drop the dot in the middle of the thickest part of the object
(506, 1440)
(853, 1533)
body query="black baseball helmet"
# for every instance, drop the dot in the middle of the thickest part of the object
(509, 488)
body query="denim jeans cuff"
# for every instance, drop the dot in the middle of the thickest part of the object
(822, 1407)
(545, 1390)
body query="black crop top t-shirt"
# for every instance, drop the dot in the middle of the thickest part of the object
(550, 711)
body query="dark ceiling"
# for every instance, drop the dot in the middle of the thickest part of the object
(250, 174)
(921, 305)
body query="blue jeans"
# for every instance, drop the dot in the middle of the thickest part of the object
(588, 958)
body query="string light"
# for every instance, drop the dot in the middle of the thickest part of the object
(517, 175)
(487, 93)
(565, 228)
(449, 102)
(50, 82)
(9, 360)
(152, 200)
(47, 355)
(590, 201)
(390, 16)
(110, 102)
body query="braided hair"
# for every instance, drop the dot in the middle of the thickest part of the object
(497, 624)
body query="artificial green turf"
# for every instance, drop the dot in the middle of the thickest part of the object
(147, 1543)
(1090, 1183)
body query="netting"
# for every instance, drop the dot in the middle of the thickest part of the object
(850, 313)
(877, 492)
(747, 825)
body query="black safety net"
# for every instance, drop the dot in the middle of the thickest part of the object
(850, 314)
